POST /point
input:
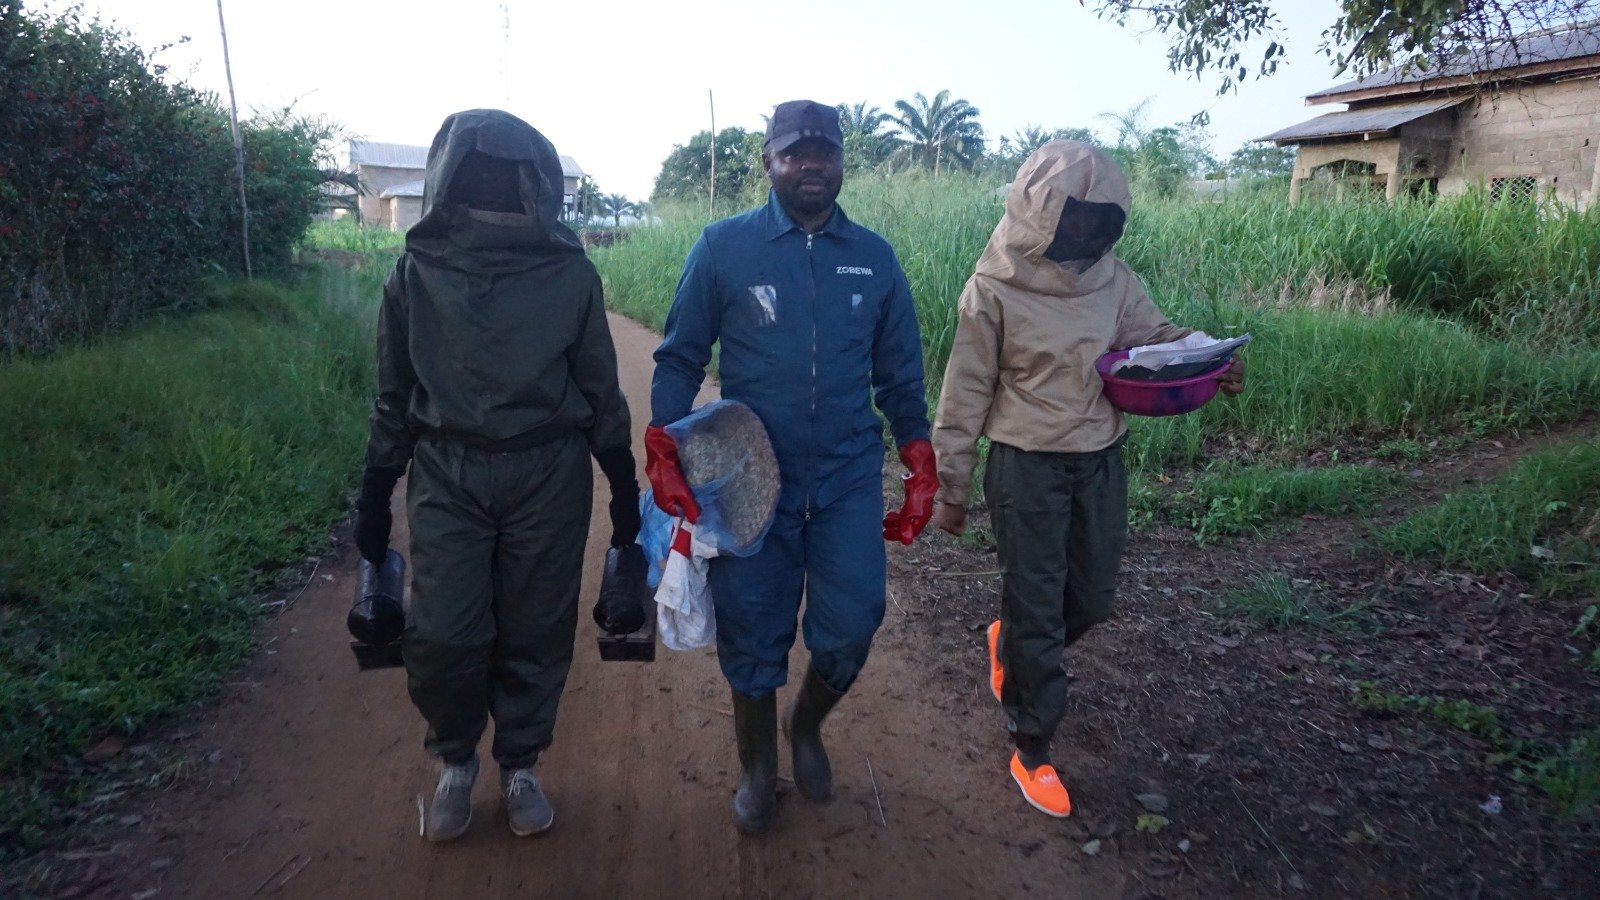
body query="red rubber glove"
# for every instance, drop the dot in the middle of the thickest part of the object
(921, 483)
(661, 467)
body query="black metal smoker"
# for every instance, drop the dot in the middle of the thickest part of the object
(623, 611)
(378, 617)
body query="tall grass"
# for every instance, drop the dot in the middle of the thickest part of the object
(151, 484)
(346, 234)
(1519, 269)
(1370, 318)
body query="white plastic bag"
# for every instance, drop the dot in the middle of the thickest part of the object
(683, 599)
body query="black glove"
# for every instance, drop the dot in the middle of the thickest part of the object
(620, 471)
(373, 520)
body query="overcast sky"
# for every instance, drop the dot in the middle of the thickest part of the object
(616, 84)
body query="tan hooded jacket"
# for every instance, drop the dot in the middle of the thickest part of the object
(1022, 366)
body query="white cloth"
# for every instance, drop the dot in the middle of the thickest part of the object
(684, 614)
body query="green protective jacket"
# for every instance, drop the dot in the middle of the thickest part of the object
(492, 332)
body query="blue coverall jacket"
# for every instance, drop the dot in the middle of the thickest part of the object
(813, 329)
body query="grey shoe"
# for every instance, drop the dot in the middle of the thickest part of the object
(451, 811)
(526, 805)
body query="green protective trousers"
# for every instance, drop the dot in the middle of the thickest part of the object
(497, 541)
(1060, 524)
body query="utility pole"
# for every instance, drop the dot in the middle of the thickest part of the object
(713, 101)
(238, 146)
(505, 53)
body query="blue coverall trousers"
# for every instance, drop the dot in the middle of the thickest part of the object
(834, 557)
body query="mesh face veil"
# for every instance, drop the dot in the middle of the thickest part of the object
(1086, 232)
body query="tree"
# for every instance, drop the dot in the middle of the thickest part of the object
(1214, 35)
(940, 131)
(1160, 161)
(686, 172)
(586, 201)
(869, 137)
(616, 206)
(1261, 161)
(1017, 147)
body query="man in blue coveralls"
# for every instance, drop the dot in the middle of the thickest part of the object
(815, 322)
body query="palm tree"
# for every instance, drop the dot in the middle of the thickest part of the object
(1019, 146)
(342, 190)
(616, 206)
(862, 119)
(1130, 125)
(867, 135)
(933, 130)
(1024, 142)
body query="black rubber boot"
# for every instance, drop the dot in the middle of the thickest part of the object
(755, 726)
(813, 776)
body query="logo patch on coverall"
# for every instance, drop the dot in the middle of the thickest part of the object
(767, 298)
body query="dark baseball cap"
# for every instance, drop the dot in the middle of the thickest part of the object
(796, 120)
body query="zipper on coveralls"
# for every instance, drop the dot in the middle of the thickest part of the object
(811, 265)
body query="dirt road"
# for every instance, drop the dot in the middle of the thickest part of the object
(308, 775)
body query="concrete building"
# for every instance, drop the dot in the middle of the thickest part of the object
(391, 182)
(1521, 118)
(400, 207)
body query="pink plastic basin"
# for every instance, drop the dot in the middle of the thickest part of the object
(1157, 398)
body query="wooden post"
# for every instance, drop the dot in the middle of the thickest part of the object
(238, 145)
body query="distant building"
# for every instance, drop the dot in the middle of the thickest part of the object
(400, 207)
(391, 182)
(1522, 118)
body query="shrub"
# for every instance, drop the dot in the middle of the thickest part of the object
(118, 190)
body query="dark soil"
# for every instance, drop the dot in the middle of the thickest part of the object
(1275, 779)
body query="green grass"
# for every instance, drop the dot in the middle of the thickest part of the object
(1529, 521)
(1393, 322)
(345, 234)
(153, 483)
(1517, 269)
(1272, 600)
(1568, 773)
(1232, 498)
(1315, 377)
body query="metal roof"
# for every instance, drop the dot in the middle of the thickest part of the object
(1361, 121)
(396, 156)
(406, 156)
(1570, 43)
(409, 189)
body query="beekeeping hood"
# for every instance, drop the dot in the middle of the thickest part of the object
(451, 235)
(1058, 172)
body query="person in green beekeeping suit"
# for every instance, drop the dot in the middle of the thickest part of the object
(497, 379)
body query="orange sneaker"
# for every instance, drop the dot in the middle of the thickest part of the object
(997, 675)
(1042, 788)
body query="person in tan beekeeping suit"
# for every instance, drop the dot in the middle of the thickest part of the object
(1048, 298)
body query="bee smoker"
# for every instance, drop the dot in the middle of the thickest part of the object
(378, 617)
(624, 608)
